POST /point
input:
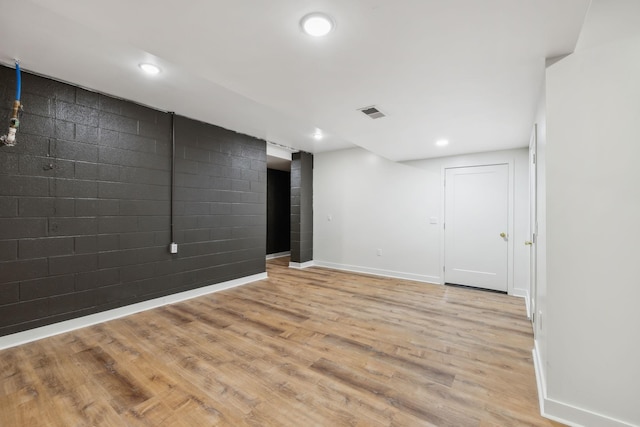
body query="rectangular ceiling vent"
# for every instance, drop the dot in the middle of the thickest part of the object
(372, 112)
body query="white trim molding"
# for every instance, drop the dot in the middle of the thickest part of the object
(563, 412)
(435, 280)
(279, 255)
(523, 293)
(301, 265)
(35, 334)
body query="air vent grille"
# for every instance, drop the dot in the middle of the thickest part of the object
(373, 112)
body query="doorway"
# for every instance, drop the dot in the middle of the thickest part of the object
(477, 226)
(278, 208)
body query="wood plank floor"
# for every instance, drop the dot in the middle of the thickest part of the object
(304, 348)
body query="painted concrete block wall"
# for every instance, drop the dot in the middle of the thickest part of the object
(302, 233)
(84, 205)
(365, 203)
(593, 207)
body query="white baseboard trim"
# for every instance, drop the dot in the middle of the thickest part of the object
(379, 272)
(563, 412)
(35, 334)
(540, 378)
(279, 255)
(523, 293)
(301, 265)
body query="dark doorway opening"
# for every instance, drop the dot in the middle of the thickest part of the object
(278, 211)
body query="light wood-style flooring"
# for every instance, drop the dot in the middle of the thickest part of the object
(304, 348)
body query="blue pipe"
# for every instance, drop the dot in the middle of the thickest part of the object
(18, 82)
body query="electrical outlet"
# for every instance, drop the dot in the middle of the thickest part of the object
(379, 252)
(173, 248)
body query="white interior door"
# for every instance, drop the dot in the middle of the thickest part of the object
(476, 226)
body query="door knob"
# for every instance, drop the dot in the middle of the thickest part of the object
(528, 243)
(503, 235)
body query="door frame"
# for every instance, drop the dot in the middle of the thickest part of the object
(533, 226)
(511, 204)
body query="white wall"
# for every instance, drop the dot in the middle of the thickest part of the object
(541, 238)
(593, 222)
(375, 204)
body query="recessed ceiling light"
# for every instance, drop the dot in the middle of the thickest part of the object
(317, 24)
(150, 69)
(442, 142)
(318, 135)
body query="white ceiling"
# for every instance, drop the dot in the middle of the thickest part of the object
(466, 70)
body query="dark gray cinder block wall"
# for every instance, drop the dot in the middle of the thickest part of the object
(278, 211)
(84, 204)
(301, 207)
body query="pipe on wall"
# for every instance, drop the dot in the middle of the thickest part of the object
(14, 122)
(173, 246)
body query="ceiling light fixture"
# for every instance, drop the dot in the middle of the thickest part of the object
(318, 135)
(317, 24)
(150, 69)
(442, 142)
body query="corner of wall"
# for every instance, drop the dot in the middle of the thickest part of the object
(563, 412)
